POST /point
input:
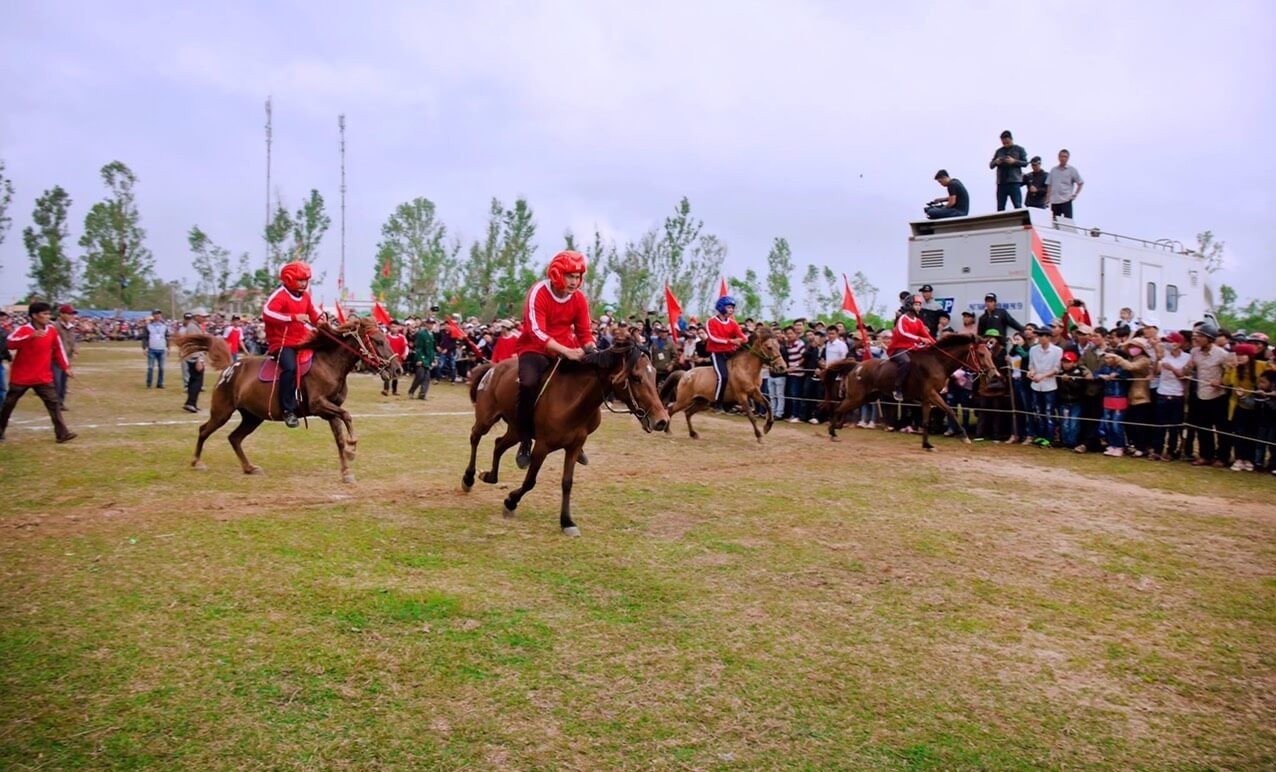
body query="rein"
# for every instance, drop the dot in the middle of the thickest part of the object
(756, 350)
(630, 401)
(368, 357)
(970, 363)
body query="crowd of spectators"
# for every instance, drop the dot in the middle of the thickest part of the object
(1203, 395)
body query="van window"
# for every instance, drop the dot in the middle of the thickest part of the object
(1171, 298)
(1151, 296)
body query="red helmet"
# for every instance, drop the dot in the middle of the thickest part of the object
(564, 262)
(293, 273)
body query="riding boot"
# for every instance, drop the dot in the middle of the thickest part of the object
(901, 375)
(526, 420)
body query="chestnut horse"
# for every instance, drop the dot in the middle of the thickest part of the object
(337, 350)
(865, 381)
(693, 390)
(567, 412)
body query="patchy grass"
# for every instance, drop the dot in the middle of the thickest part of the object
(798, 603)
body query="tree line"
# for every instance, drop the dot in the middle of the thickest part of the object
(419, 262)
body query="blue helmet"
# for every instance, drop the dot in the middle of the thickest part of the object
(723, 302)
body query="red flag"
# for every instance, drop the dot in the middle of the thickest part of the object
(675, 311)
(458, 334)
(722, 288)
(341, 313)
(380, 314)
(385, 269)
(850, 307)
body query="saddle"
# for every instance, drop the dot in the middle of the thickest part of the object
(269, 371)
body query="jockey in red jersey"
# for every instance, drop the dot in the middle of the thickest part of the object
(555, 323)
(725, 336)
(911, 333)
(287, 316)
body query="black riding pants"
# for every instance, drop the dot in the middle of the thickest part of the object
(531, 367)
(287, 383)
(902, 365)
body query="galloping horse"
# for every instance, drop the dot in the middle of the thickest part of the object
(337, 350)
(567, 412)
(932, 366)
(693, 390)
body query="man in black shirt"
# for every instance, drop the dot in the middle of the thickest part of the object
(1035, 181)
(998, 319)
(955, 204)
(1009, 161)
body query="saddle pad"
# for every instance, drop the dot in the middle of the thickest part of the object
(270, 368)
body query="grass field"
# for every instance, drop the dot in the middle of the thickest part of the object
(794, 604)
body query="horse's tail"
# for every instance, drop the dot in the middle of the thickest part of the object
(840, 369)
(476, 376)
(669, 388)
(216, 346)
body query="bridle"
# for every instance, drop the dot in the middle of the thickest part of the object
(970, 363)
(768, 360)
(610, 388)
(366, 351)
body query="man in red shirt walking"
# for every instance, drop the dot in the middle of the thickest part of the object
(911, 333)
(286, 316)
(234, 335)
(399, 345)
(555, 323)
(724, 336)
(36, 346)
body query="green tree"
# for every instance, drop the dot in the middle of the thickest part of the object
(779, 270)
(636, 274)
(422, 262)
(1253, 316)
(498, 272)
(677, 252)
(212, 264)
(309, 225)
(708, 256)
(117, 266)
(748, 294)
(6, 198)
(278, 230)
(1209, 250)
(52, 273)
(865, 293)
(823, 290)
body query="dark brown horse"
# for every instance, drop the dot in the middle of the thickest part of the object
(567, 412)
(863, 382)
(337, 350)
(693, 390)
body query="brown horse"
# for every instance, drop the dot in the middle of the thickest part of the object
(566, 413)
(865, 381)
(337, 350)
(693, 390)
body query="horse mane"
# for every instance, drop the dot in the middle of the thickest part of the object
(755, 337)
(608, 359)
(320, 343)
(956, 341)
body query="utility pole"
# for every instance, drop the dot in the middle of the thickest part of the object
(341, 143)
(265, 238)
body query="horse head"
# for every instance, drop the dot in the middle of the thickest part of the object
(765, 346)
(632, 378)
(370, 344)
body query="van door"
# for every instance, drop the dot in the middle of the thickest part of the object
(1111, 280)
(1151, 292)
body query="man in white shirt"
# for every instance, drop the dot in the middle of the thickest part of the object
(1170, 394)
(1063, 185)
(1044, 361)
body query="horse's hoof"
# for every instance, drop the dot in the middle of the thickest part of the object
(571, 531)
(199, 466)
(930, 449)
(467, 486)
(347, 478)
(834, 438)
(695, 436)
(966, 441)
(254, 470)
(488, 478)
(507, 511)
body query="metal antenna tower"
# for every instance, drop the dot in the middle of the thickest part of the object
(341, 142)
(269, 136)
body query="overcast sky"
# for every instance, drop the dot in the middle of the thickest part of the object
(822, 122)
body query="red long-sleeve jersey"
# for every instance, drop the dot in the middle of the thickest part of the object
(721, 332)
(34, 355)
(910, 333)
(277, 315)
(547, 317)
(504, 347)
